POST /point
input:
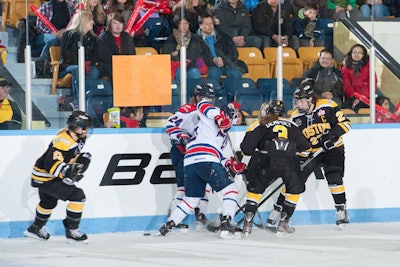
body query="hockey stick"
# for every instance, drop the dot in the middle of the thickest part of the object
(244, 179)
(302, 166)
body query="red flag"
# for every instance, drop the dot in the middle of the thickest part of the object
(43, 18)
(142, 20)
(133, 16)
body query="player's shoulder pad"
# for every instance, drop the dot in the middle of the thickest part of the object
(323, 102)
(289, 121)
(295, 113)
(253, 126)
(63, 141)
(187, 108)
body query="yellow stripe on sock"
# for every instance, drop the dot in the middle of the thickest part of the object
(292, 198)
(337, 189)
(75, 206)
(43, 211)
(254, 197)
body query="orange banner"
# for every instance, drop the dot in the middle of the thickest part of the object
(142, 80)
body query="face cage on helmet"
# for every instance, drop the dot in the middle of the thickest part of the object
(302, 110)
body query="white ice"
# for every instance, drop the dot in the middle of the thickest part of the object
(359, 245)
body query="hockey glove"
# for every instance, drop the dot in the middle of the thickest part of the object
(328, 141)
(84, 159)
(236, 167)
(223, 122)
(183, 141)
(72, 173)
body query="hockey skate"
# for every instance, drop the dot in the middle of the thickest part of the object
(200, 217)
(74, 235)
(273, 217)
(342, 218)
(284, 227)
(37, 232)
(228, 230)
(167, 227)
(248, 223)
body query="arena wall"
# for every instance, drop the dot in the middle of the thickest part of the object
(129, 183)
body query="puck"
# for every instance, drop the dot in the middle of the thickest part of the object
(146, 234)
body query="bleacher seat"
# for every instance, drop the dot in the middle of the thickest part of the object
(309, 55)
(256, 63)
(296, 82)
(176, 97)
(14, 10)
(148, 50)
(231, 85)
(64, 82)
(250, 99)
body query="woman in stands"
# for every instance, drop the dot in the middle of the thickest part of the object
(81, 27)
(99, 14)
(194, 9)
(355, 74)
(113, 41)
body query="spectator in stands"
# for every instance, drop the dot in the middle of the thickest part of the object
(81, 27)
(10, 114)
(198, 55)
(59, 13)
(223, 51)
(113, 41)
(125, 7)
(266, 21)
(233, 19)
(355, 73)
(328, 80)
(388, 117)
(99, 14)
(339, 9)
(379, 7)
(195, 9)
(305, 25)
(297, 5)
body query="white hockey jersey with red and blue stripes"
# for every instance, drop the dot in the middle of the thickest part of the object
(184, 121)
(207, 143)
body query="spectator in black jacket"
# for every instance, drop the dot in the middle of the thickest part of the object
(113, 41)
(81, 27)
(266, 21)
(198, 55)
(328, 80)
(223, 51)
(233, 19)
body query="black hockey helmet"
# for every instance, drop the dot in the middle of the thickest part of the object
(204, 90)
(79, 119)
(305, 89)
(276, 107)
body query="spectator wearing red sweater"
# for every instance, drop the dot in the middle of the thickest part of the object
(355, 74)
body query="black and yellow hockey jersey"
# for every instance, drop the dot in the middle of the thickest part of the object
(326, 117)
(257, 134)
(61, 151)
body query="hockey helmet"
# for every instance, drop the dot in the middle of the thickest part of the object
(204, 90)
(79, 119)
(263, 109)
(305, 89)
(231, 112)
(276, 107)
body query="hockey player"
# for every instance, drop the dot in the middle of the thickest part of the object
(204, 163)
(55, 174)
(180, 128)
(323, 124)
(273, 144)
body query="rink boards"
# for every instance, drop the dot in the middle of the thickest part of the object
(129, 183)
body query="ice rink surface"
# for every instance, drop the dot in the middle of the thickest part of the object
(359, 245)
